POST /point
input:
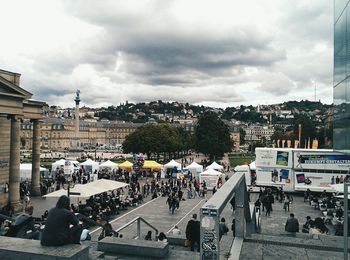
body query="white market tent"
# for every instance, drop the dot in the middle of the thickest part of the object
(215, 166)
(70, 168)
(211, 177)
(25, 170)
(173, 164)
(89, 189)
(109, 164)
(195, 166)
(58, 164)
(106, 185)
(90, 166)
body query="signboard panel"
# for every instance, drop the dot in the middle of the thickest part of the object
(321, 161)
(266, 157)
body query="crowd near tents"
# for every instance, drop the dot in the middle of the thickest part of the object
(212, 174)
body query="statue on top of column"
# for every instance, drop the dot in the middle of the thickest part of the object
(77, 98)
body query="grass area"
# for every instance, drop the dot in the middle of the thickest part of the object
(239, 159)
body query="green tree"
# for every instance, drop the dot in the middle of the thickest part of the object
(156, 139)
(212, 135)
(241, 135)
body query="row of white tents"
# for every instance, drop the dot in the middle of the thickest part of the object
(93, 165)
(211, 174)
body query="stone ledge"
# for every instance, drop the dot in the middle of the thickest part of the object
(137, 247)
(325, 243)
(26, 249)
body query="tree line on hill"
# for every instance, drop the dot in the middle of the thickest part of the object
(211, 137)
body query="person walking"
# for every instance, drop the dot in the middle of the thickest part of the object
(193, 232)
(223, 229)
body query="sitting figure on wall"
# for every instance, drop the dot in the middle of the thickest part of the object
(62, 226)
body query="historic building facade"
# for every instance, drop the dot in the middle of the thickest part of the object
(59, 134)
(16, 105)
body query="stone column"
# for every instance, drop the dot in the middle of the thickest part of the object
(35, 184)
(14, 175)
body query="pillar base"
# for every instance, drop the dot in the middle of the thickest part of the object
(35, 192)
(17, 206)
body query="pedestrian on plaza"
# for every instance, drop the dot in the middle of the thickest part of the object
(307, 225)
(23, 227)
(286, 203)
(168, 201)
(149, 235)
(162, 238)
(292, 224)
(57, 231)
(176, 231)
(223, 229)
(193, 232)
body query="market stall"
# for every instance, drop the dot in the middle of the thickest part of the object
(215, 166)
(126, 165)
(109, 165)
(212, 178)
(90, 166)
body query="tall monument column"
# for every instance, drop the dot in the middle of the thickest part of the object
(35, 185)
(14, 197)
(77, 101)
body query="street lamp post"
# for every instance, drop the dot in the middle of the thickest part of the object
(70, 185)
(346, 216)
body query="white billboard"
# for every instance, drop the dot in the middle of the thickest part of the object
(276, 158)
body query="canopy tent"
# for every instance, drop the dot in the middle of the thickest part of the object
(90, 166)
(252, 166)
(173, 164)
(126, 165)
(109, 164)
(211, 178)
(89, 189)
(25, 170)
(195, 166)
(58, 164)
(151, 165)
(215, 166)
(82, 189)
(68, 166)
(106, 185)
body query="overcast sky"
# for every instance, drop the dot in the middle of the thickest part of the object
(219, 53)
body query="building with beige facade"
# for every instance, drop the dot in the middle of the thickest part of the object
(59, 134)
(16, 105)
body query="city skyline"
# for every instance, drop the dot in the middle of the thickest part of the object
(217, 54)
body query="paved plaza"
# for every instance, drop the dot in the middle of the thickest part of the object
(271, 243)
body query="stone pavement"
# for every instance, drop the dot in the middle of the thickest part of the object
(274, 243)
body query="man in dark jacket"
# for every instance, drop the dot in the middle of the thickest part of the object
(193, 232)
(62, 226)
(292, 224)
(23, 227)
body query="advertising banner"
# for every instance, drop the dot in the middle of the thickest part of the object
(273, 158)
(331, 161)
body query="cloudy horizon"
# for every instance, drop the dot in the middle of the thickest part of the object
(215, 53)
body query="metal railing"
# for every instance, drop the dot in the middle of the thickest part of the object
(138, 220)
(246, 221)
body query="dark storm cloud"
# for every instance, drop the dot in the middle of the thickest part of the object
(169, 50)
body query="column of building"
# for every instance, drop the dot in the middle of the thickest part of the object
(35, 183)
(14, 173)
